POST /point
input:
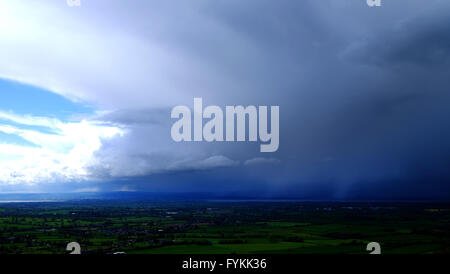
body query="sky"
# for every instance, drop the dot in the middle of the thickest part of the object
(86, 94)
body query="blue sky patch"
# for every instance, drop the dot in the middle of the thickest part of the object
(26, 99)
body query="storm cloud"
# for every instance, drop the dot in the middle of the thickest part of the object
(363, 92)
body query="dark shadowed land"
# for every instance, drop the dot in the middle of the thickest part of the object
(198, 226)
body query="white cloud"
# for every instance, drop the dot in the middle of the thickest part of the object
(91, 150)
(30, 120)
(208, 163)
(261, 160)
(87, 189)
(63, 156)
(76, 152)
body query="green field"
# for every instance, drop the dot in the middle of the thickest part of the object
(178, 227)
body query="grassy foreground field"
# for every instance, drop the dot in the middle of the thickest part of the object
(164, 227)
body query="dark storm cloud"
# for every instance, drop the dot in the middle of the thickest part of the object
(363, 100)
(423, 41)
